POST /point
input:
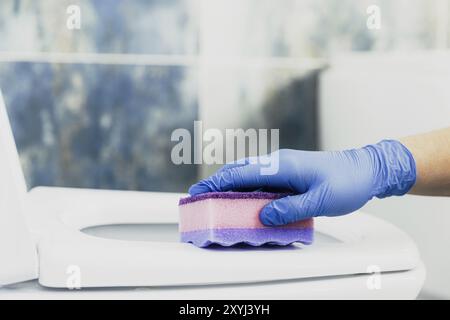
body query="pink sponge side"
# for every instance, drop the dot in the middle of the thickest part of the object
(228, 218)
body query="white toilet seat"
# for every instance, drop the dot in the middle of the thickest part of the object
(58, 215)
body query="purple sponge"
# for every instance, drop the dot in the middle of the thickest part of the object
(229, 218)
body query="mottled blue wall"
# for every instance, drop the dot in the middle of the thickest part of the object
(107, 26)
(99, 126)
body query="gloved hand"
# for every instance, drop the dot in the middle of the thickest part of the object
(322, 183)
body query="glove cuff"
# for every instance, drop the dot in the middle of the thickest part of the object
(395, 168)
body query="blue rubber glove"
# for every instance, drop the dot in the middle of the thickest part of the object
(322, 183)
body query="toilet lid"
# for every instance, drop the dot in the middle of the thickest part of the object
(18, 258)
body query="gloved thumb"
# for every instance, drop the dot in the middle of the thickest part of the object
(291, 209)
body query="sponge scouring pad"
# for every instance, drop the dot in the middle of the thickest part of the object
(229, 218)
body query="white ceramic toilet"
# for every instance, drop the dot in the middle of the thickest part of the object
(122, 244)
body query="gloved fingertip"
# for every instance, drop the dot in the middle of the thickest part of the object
(269, 217)
(198, 188)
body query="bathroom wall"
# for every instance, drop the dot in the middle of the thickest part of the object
(95, 106)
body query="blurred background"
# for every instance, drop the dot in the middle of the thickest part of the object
(95, 107)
